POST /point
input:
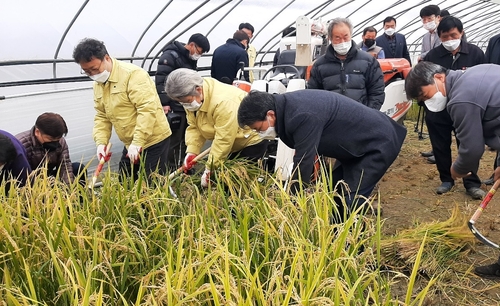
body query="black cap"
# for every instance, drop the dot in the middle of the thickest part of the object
(201, 41)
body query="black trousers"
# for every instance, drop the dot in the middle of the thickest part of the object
(440, 127)
(252, 153)
(177, 147)
(153, 158)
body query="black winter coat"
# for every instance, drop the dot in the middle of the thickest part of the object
(174, 56)
(364, 140)
(493, 50)
(358, 76)
(226, 59)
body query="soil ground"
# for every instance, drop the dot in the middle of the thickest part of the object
(407, 197)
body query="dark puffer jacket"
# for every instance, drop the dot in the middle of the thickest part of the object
(358, 76)
(57, 160)
(174, 56)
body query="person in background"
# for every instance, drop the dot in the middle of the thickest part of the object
(493, 56)
(369, 45)
(471, 98)
(125, 99)
(13, 162)
(251, 51)
(288, 32)
(211, 108)
(346, 70)
(329, 124)
(230, 57)
(393, 43)
(430, 15)
(45, 146)
(454, 54)
(178, 55)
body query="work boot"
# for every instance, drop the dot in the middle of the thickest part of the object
(476, 193)
(427, 154)
(489, 271)
(444, 188)
(431, 159)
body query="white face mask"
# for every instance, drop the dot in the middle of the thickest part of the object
(270, 133)
(437, 103)
(389, 31)
(430, 26)
(195, 56)
(193, 106)
(451, 45)
(100, 77)
(342, 48)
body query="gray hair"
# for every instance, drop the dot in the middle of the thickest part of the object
(182, 82)
(337, 21)
(421, 75)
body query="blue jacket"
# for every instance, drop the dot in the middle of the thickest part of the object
(226, 59)
(401, 47)
(325, 123)
(19, 168)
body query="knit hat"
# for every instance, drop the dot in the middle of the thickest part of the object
(201, 41)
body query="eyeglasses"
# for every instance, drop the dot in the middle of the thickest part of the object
(199, 50)
(92, 71)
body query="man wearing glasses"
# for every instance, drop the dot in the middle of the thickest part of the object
(125, 99)
(178, 55)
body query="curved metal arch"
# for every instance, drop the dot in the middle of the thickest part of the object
(171, 29)
(223, 16)
(148, 27)
(185, 30)
(359, 7)
(477, 26)
(271, 19)
(324, 4)
(364, 23)
(471, 27)
(54, 70)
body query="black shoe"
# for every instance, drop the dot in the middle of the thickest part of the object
(489, 182)
(489, 271)
(427, 154)
(444, 188)
(476, 193)
(431, 159)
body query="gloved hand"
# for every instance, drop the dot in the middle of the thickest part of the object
(134, 153)
(205, 178)
(101, 152)
(189, 161)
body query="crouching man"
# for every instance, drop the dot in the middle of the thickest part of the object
(472, 99)
(13, 163)
(364, 141)
(46, 146)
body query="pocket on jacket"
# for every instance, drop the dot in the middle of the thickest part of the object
(352, 151)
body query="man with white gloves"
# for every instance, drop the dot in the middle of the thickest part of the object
(125, 98)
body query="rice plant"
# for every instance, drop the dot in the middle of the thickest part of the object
(244, 241)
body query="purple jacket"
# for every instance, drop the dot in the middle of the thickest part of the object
(19, 168)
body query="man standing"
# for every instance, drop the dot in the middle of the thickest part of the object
(46, 146)
(493, 50)
(178, 55)
(13, 162)
(251, 51)
(431, 15)
(471, 98)
(346, 70)
(229, 58)
(456, 54)
(393, 43)
(325, 123)
(369, 45)
(125, 99)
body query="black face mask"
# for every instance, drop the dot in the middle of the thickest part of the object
(51, 146)
(369, 42)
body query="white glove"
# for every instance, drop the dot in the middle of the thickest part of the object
(205, 178)
(134, 153)
(101, 151)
